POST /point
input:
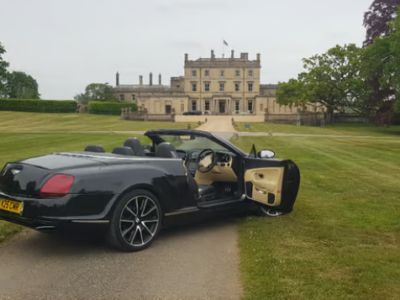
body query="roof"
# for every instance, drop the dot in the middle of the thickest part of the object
(269, 86)
(223, 59)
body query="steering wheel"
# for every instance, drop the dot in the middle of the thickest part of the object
(210, 156)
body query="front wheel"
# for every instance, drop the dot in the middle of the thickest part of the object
(268, 211)
(135, 222)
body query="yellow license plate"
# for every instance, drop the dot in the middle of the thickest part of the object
(9, 205)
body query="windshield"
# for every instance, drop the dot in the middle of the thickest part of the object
(191, 142)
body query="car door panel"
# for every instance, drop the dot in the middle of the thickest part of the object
(265, 181)
(272, 182)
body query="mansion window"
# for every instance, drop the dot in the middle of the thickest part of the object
(122, 97)
(194, 73)
(222, 73)
(250, 105)
(250, 73)
(194, 87)
(222, 87)
(207, 73)
(182, 107)
(237, 87)
(261, 107)
(194, 105)
(250, 87)
(237, 107)
(133, 97)
(237, 73)
(207, 105)
(207, 87)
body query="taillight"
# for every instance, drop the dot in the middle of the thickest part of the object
(56, 186)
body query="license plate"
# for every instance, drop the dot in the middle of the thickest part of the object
(9, 205)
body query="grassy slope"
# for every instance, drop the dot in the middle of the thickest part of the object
(342, 239)
(336, 129)
(19, 146)
(23, 121)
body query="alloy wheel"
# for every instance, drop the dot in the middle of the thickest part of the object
(139, 221)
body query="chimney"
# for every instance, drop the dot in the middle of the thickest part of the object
(232, 54)
(258, 57)
(212, 54)
(151, 79)
(244, 56)
(141, 79)
(159, 79)
(186, 57)
(117, 79)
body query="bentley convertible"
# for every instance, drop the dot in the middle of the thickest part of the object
(132, 191)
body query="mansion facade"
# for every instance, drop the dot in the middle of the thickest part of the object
(223, 86)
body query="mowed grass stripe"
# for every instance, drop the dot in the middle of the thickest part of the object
(24, 121)
(342, 239)
(330, 129)
(355, 161)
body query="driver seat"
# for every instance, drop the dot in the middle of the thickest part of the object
(166, 150)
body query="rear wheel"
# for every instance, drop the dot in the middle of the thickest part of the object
(136, 221)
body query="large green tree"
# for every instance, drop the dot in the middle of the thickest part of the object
(333, 79)
(96, 92)
(3, 72)
(22, 86)
(382, 67)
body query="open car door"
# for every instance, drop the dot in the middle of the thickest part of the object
(272, 182)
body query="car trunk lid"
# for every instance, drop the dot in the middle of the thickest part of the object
(26, 177)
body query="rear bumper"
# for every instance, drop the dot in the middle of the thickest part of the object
(69, 211)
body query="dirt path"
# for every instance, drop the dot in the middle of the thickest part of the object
(217, 126)
(197, 262)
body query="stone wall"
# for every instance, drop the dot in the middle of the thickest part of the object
(129, 115)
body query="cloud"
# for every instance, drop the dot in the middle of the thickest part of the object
(179, 6)
(185, 44)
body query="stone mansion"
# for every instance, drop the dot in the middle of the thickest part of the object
(220, 86)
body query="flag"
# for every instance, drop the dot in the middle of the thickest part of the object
(225, 43)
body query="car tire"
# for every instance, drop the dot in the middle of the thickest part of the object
(267, 211)
(136, 222)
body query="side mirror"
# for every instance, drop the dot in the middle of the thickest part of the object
(266, 154)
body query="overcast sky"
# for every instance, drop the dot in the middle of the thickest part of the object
(66, 45)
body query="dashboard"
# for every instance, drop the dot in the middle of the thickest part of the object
(224, 159)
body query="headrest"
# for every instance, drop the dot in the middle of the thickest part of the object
(123, 151)
(135, 145)
(166, 150)
(94, 148)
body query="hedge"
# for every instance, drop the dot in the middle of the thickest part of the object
(34, 105)
(109, 108)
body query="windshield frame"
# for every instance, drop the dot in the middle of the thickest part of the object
(156, 137)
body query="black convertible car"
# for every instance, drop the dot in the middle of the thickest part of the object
(133, 190)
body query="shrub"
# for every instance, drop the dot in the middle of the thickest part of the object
(34, 105)
(109, 108)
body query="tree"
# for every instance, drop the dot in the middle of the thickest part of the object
(19, 85)
(333, 78)
(382, 67)
(96, 92)
(81, 98)
(376, 19)
(3, 72)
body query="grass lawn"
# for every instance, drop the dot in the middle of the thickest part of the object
(342, 241)
(335, 129)
(19, 146)
(24, 121)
